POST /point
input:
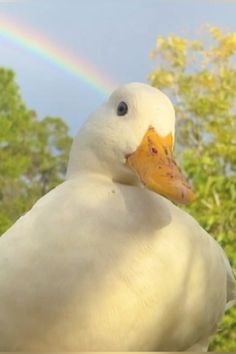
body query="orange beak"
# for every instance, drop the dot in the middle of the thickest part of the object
(153, 162)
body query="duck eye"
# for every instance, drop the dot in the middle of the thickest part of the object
(122, 109)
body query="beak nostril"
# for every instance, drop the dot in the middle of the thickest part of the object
(154, 151)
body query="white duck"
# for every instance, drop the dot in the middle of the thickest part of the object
(101, 263)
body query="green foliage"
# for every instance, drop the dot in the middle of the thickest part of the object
(201, 79)
(33, 153)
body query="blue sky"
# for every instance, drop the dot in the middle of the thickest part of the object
(114, 35)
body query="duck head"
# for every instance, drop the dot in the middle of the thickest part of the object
(130, 139)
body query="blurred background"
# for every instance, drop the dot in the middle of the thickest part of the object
(60, 59)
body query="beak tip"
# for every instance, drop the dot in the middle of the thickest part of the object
(189, 198)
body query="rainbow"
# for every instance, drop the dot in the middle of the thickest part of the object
(26, 38)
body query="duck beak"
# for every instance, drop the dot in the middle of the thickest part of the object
(153, 162)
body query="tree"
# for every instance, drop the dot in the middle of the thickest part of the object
(33, 152)
(200, 76)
